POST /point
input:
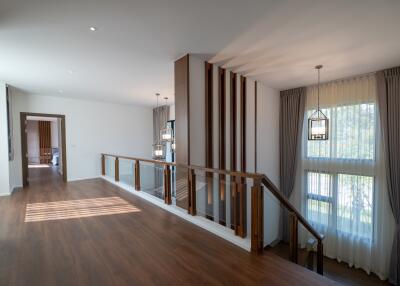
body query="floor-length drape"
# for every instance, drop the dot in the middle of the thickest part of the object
(343, 179)
(292, 103)
(388, 87)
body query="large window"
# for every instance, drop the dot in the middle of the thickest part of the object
(340, 172)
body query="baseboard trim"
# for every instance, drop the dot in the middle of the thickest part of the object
(219, 230)
(15, 188)
(82, 179)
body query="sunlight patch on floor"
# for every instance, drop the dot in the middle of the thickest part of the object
(77, 209)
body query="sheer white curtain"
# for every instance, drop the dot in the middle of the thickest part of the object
(340, 185)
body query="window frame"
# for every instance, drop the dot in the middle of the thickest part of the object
(340, 166)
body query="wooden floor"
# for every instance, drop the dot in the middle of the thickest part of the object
(150, 247)
(340, 272)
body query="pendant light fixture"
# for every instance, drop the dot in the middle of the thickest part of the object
(173, 146)
(158, 147)
(318, 123)
(166, 133)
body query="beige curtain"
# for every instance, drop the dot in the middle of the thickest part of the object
(388, 87)
(291, 121)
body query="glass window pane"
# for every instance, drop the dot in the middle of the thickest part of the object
(355, 205)
(355, 131)
(319, 212)
(319, 184)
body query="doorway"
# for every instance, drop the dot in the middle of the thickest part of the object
(43, 148)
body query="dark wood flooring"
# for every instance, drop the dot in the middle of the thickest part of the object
(334, 270)
(150, 247)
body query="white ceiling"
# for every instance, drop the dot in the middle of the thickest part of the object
(46, 46)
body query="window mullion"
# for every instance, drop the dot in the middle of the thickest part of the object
(335, 197)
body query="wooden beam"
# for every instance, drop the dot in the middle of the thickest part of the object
(233, 140)
(209, 138)
(222, 143)
(255, 126)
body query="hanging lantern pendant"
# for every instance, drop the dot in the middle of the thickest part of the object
(318, 122)
(166, 133)
(158, 148)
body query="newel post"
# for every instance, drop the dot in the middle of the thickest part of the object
(167, 185)
(320, 257)
(103, 165)
(116, 169)
(257, 217)
(294, 238)
(191, 192)
(137, 175)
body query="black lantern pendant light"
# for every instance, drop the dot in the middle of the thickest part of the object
(166, 133)
(318, 123)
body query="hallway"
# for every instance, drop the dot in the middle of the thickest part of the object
(43, 173)
(143, 246)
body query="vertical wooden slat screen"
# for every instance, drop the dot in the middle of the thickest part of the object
(182, 131)
(233, 140)
(255, 126)
(222, 142)
(242, 196)
(45, 142)
(243, 124)
(209, 137)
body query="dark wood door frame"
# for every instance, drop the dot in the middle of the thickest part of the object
(24, 147)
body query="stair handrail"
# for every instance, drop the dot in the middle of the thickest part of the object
(288, 205)
(296, 216)
(257, 207)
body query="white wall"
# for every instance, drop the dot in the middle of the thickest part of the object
(91, 128)
(268, 105)
(32, 138)
(54, 134)
(4, 165)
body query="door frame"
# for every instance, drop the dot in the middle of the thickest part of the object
(24, 146)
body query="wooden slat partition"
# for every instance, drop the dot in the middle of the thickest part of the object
(209, 138)
(222, 143)
(233, 140)
(45, 142)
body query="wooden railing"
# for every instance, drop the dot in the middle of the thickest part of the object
(238, 190)
(294, 218)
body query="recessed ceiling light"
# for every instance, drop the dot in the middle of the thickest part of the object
(60, 91)
(93, 29)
